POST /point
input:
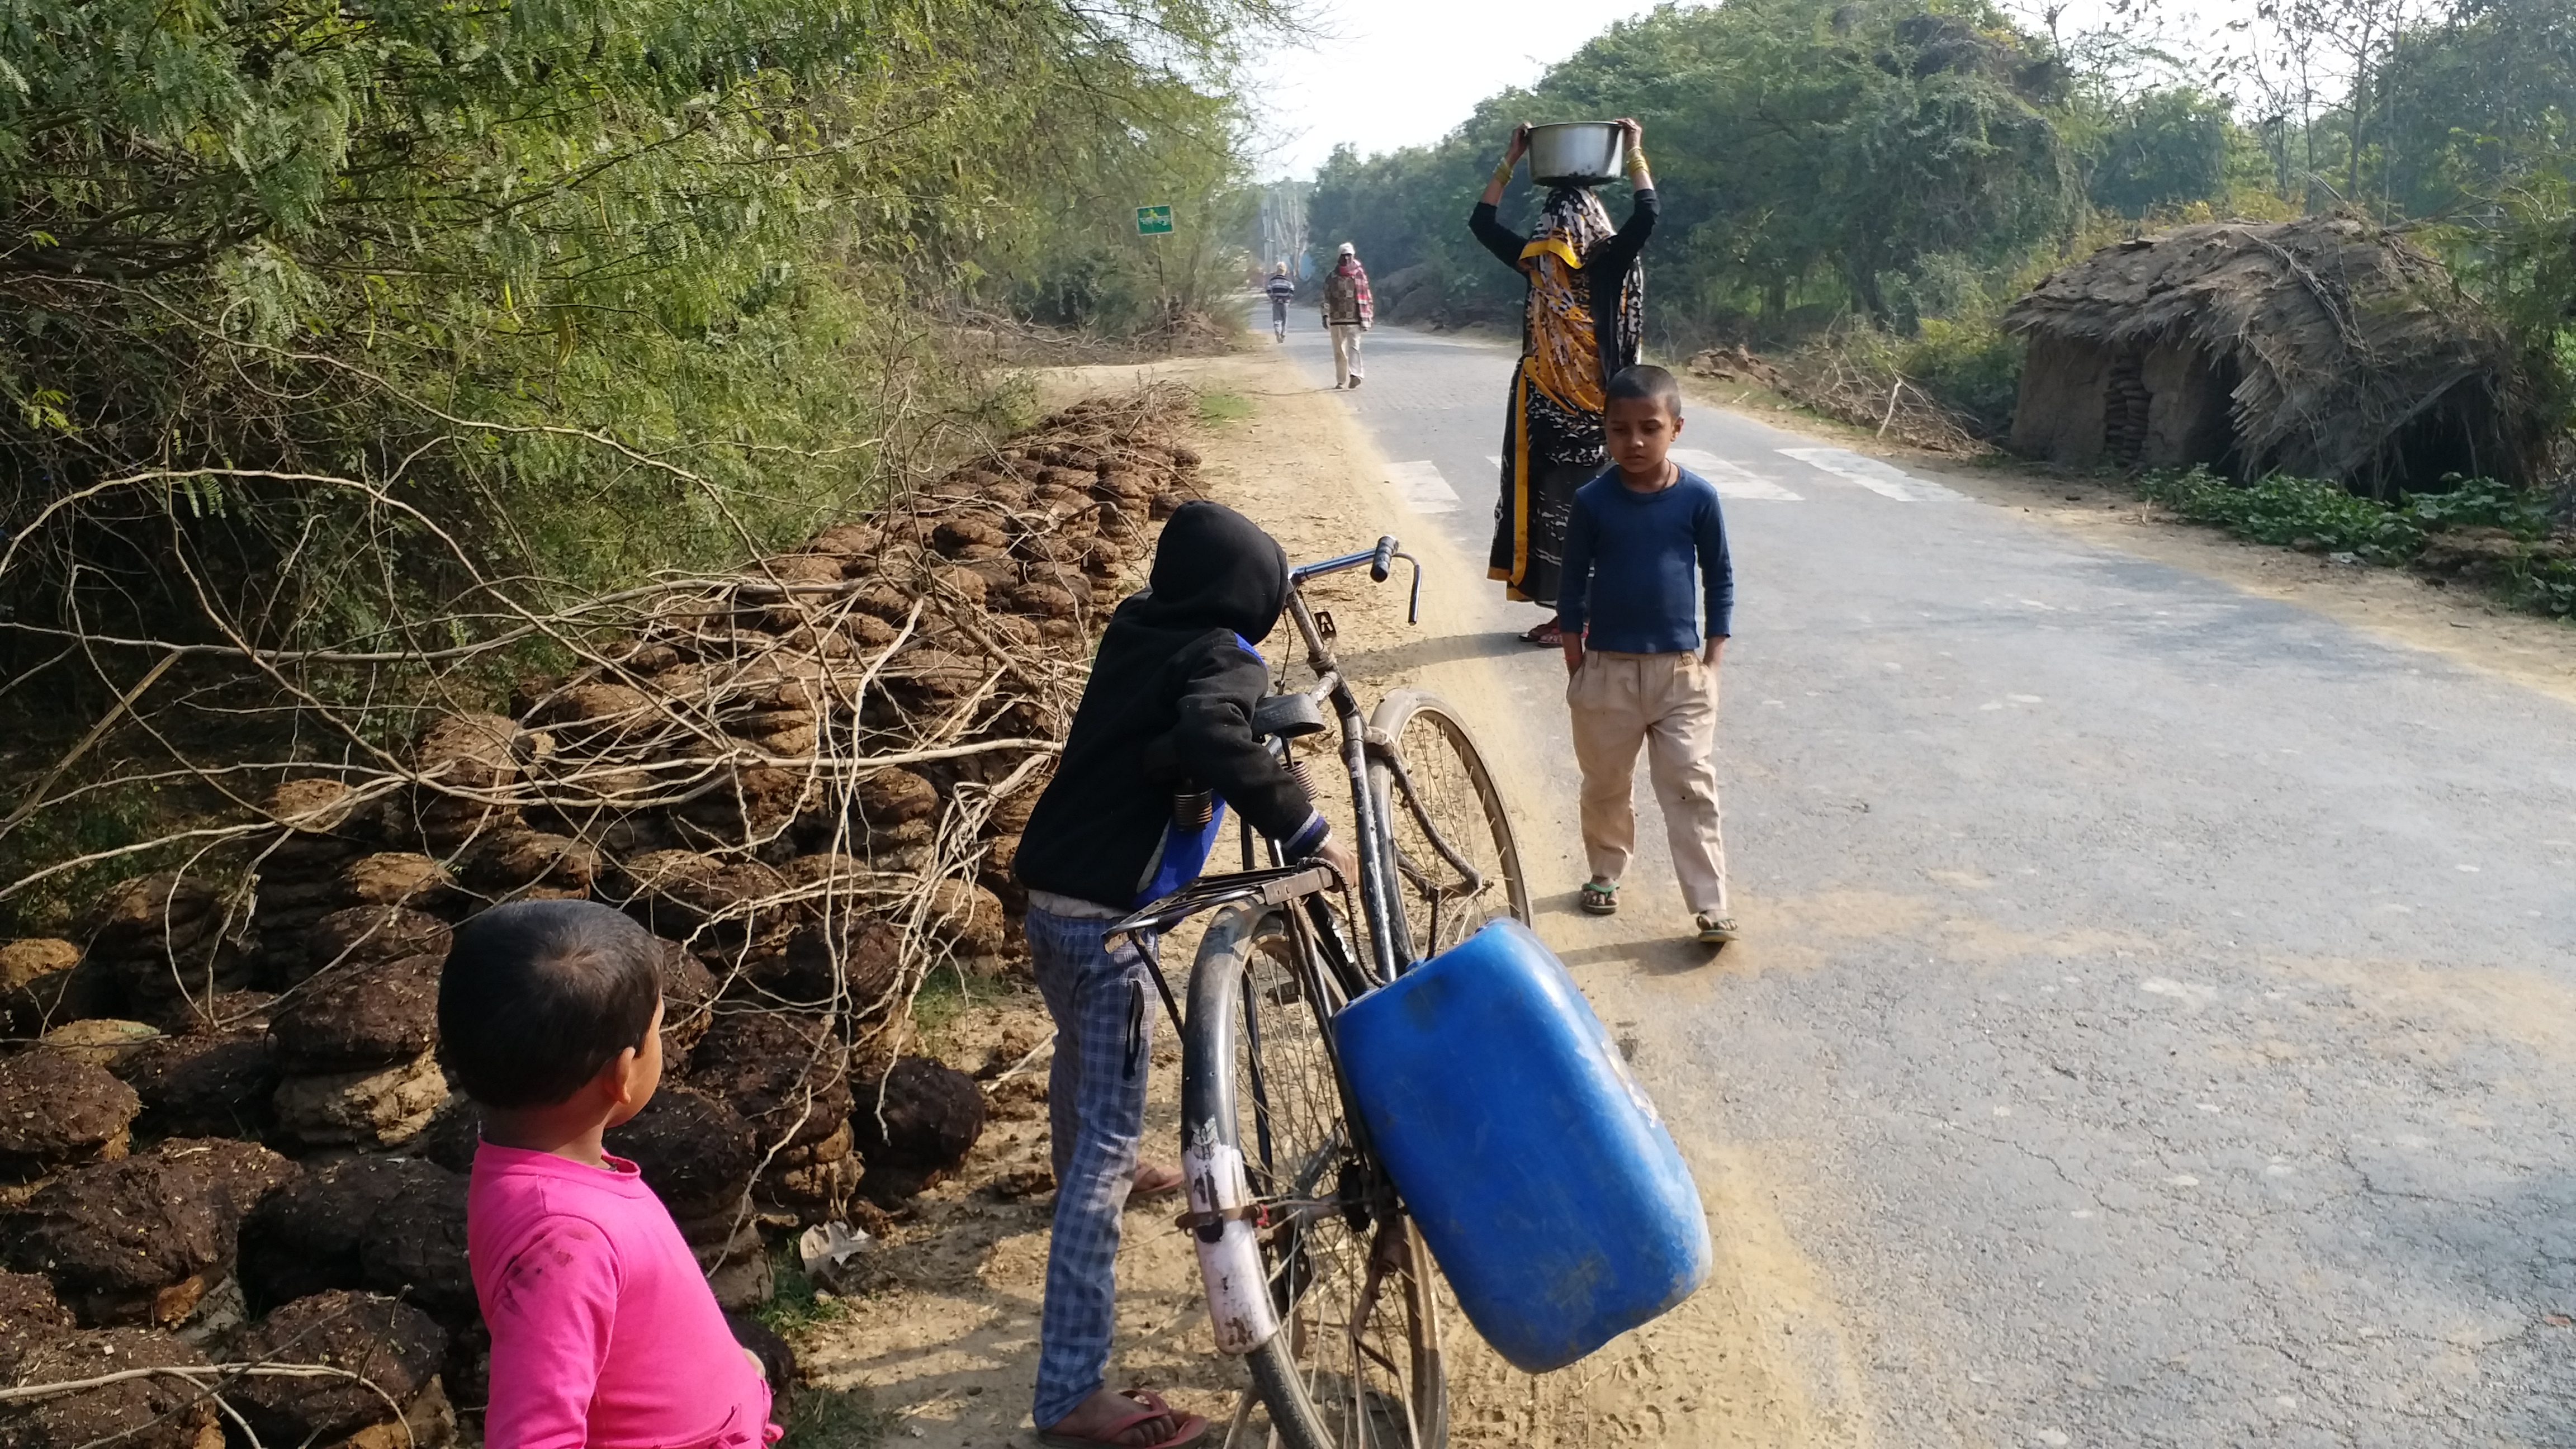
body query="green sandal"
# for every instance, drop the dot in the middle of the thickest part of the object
(1716, 930)
(1599, 899)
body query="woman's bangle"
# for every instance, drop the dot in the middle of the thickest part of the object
(1636, 160)
(1503, 169)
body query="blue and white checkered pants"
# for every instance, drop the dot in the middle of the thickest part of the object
(1104, 1008)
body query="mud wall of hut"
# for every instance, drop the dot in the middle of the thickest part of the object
(2085, 404)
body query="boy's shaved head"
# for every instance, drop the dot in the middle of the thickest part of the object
(1645, 382)
(538, 996)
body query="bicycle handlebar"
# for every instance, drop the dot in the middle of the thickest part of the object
(1376, 558)
(1381, 563)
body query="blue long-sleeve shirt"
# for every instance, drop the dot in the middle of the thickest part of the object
(1640, 567)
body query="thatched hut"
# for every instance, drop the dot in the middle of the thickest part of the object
(2327, 347)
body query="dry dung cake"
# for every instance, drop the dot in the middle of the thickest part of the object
(393, 1349)
(150, 1411)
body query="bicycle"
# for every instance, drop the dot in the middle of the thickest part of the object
(1315, 1274)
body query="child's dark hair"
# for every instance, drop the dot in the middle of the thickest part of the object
(1645, 382)
(538, 996)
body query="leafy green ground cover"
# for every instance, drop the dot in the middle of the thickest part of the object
(1224, 407)
(2482, 529)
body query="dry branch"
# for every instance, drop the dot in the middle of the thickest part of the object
(808, 777)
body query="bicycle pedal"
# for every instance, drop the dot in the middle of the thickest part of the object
(1286, 993)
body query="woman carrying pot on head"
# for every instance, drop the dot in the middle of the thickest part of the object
(1585, 315)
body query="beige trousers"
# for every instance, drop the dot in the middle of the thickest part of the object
(1668, 704)
(1346, 352)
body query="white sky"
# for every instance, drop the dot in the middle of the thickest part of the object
(1394, 73)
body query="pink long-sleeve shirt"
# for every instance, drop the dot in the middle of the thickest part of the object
(604, 1335)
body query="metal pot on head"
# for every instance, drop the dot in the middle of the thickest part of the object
(1576, 153)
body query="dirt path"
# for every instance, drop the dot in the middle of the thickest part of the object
(946, 1335)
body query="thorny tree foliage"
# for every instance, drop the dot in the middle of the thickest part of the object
(248, 244)
(368, 336)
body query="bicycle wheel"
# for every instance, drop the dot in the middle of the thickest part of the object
(1455, 862)
(1355, 1358)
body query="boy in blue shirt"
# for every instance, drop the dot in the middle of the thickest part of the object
(1645, 554)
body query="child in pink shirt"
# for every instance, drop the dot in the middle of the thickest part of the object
(604, 1335)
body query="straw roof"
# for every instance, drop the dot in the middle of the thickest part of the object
(2342, 332)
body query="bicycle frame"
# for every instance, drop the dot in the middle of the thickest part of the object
(1377, 887)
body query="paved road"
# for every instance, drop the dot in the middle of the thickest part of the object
(2161, 997)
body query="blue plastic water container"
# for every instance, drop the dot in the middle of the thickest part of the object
(1543, 1181)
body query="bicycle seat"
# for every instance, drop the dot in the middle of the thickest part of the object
(1287, 716)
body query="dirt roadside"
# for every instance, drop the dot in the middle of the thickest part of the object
(945, 1333)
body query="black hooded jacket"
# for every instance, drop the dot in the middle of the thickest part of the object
(1170, 668)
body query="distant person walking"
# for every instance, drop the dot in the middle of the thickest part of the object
(1349, 310)
(1282, 290)
(1585, 315)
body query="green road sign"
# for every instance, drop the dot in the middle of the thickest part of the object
(1153, 221)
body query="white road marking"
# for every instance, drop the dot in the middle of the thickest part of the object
(1885, 479)
(2191, 993)
(1424, 490)
(1732, 480)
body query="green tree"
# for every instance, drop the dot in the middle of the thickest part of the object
(1076, 260)
(2475, 102)
(1796, 143)
(565, 290)
(2168, 146)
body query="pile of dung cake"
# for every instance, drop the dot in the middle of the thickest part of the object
(225, 1136)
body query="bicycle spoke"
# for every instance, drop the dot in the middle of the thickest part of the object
(1453, 860)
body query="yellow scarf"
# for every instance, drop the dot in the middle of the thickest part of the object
(1564, 345)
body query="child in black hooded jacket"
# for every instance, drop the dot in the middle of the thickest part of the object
(1171, 695)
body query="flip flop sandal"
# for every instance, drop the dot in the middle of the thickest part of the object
(1716, 930)
(1599, 899)
(1546, 636)
(1189, 1429)
(1158, 1186)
